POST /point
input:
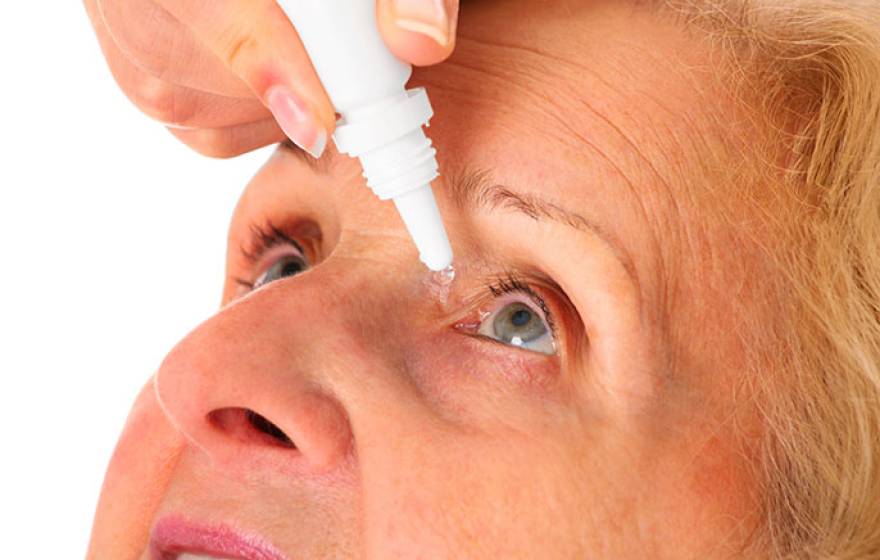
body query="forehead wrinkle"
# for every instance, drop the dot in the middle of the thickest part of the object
(566, 65)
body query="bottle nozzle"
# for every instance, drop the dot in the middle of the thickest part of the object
(399, 164)
(419, 212)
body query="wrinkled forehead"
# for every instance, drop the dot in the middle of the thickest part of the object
(607, 103)
(585, 75)
(615, 88)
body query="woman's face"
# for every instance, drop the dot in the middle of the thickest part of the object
(577, 395)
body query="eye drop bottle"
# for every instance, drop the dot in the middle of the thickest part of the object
(381, 121)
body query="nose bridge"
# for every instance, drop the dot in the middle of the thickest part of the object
(280, 352)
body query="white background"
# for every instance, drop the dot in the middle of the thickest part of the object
(111, 249)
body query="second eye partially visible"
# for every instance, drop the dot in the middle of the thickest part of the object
(272, 255)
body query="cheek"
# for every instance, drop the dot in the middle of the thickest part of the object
(475, 380)
(136, 480)
(725, 482)
(486, 492)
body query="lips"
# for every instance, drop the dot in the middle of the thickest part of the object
(176, 538)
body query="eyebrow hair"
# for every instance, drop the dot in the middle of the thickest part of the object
(476, 189)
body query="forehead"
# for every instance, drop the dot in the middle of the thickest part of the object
(601, 106)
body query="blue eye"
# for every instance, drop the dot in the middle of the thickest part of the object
(521, 325)
(285, 266)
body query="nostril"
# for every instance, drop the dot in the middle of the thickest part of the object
(263, 424)
(249, 426)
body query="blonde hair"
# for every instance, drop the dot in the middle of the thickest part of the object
(810, 69)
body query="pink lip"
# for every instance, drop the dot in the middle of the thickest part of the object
(175, 535)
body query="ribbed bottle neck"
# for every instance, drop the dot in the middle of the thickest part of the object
(400, 166)
(388, 138)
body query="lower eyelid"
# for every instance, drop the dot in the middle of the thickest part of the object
(518, 365)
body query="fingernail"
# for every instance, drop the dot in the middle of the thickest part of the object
(428, 17)
(296, 120)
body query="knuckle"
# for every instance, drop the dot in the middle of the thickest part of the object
(241, 36)
(164, 102)
(238, 45)
(208, 142)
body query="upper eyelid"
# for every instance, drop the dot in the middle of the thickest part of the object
(278, 250)
(518, 296)
(263, 238)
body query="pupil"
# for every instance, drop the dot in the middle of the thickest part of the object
(521, 317)
(290, 268)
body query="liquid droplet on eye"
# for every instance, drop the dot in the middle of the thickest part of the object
(440, 284)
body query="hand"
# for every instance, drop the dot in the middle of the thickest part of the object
(230, 76)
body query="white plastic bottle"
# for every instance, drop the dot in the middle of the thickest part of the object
(381, 120)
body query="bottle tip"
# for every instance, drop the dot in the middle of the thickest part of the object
(438, 258)
(419, 212)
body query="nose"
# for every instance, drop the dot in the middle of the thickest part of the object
(248, 387)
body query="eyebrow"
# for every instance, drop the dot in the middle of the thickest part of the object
(476, 190)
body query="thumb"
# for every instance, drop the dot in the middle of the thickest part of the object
(421, 32)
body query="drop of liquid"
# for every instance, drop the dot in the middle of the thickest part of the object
(440, 284)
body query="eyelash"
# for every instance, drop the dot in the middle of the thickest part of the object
(262, 239)
(267, 236)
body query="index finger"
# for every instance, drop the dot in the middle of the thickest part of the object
(257, 42)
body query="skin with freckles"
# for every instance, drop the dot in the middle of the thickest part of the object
(570, 137)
